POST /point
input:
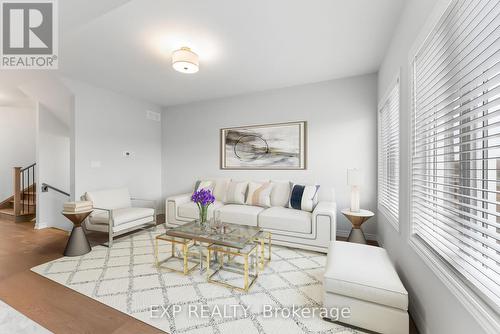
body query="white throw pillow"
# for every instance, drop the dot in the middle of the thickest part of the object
(236, 192)
(204, 184)
(280, 193)
(259, 194)
(303, 197)
(220, 189)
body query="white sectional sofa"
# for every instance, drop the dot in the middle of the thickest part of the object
(289, 227)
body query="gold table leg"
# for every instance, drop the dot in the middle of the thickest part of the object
(269, 244)
(262, 255)
(185, 256)
(245, 273)
(262, 246)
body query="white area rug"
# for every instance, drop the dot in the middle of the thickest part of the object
(12, 321)
(125, 278)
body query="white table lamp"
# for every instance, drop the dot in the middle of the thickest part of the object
(353, 181)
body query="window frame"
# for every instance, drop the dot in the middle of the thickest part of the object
(480, 310)
(393, 221)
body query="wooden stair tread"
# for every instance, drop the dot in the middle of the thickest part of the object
(7, 211)
(29, 213)
(10, 212)
(23, 201)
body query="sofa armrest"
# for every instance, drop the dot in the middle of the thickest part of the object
(110, 215)
(172, 204)
(326, 211)
(180, 199)
(325, 208)
(150, 202)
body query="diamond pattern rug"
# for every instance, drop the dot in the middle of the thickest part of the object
(12, 321)
(126, 278)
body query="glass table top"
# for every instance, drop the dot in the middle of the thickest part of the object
(230, 235)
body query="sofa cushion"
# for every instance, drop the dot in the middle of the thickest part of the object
(109, 198)
(123, 215)
(281, 193)
(364, 272)
(190, 210)
(285, 219)
(240, 214)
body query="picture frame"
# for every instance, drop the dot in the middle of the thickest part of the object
(274, 146)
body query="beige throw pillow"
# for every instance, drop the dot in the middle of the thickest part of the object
(259, 194)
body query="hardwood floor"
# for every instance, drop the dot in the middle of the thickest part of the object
(50, 304)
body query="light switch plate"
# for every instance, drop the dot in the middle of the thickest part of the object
(153, 115)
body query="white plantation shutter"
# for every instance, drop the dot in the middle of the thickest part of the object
(455, 196)
(388, 159)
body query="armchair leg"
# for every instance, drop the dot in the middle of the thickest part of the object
(110, 242)
(154, 220)
(111, 224)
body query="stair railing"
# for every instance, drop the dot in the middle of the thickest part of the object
(46, 187)
(24, 182)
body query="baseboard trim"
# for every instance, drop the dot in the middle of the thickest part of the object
(39, 226)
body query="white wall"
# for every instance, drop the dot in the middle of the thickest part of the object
(341, 120)
(17, 143)
(434, 308)
(106, 124)
(53, 161)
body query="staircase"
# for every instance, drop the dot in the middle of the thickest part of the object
(21, 206)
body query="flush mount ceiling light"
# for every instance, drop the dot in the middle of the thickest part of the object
(185, 61)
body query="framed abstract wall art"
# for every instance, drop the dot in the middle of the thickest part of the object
(268, 146)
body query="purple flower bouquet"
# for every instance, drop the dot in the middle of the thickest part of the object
(203, 198)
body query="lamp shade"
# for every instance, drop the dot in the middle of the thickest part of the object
(353, 177)
(185, 61)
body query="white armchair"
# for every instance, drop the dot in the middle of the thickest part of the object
(114, 212)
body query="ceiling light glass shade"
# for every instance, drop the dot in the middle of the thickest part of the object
(185, 61)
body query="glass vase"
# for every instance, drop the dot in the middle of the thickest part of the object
(203, 214)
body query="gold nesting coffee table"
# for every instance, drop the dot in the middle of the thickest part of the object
(183, 255)
(214, 245)
(249, 256)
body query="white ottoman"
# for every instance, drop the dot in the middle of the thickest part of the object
(362, 278)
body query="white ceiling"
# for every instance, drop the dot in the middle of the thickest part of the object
(244, 46)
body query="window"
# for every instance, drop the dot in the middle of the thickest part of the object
(455, 180)
(388, 159)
